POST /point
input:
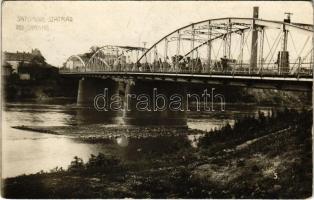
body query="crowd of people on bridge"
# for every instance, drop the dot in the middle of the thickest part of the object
(177, 64)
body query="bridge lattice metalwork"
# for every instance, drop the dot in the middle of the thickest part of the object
(234, 46)
(106, 58)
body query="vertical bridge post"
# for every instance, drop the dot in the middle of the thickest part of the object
(254, 44)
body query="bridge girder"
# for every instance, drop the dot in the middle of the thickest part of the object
(303, 84)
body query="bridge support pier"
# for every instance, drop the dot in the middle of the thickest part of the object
(147, 103)
(140, 103)
(88, 89)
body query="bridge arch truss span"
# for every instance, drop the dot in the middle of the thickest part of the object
(114, 58)
(227, 44)
(75, 63)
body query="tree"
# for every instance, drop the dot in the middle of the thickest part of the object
(77, 164)
(93, 49)
(38, 60)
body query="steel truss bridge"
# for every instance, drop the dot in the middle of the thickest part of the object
(243, 50)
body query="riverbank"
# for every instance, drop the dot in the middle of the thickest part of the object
(238, 162)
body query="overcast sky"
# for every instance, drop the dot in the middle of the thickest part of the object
(119, 23)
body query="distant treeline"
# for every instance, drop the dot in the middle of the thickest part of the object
(52, 86)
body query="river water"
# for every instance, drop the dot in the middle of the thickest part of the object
(26, 152)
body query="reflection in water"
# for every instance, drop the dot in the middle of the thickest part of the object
(30, 155)
(92, 116)
(29, 152)
(194, 139)
(122, 141)
(209, 124)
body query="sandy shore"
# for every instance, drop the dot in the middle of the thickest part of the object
(100, 131)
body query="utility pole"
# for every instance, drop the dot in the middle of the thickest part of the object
(283, 55)
(288, 19)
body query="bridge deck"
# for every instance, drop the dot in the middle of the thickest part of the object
(305, 78)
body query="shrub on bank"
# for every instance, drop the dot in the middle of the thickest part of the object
(99, 163)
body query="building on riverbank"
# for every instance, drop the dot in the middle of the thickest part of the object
(30, 72)
(7, 69)
(17, 58)
(28, 65)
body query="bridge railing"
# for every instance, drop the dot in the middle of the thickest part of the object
(236, 68)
